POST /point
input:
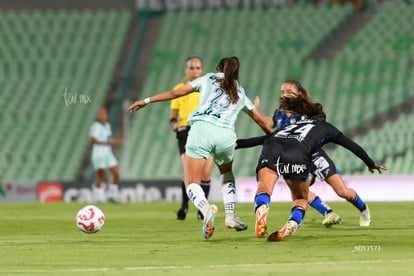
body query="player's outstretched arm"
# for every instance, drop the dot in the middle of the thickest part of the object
(261, 120)
(116, 142)
(164, 96)
(269, 120)
(360, 152)
(251, 142)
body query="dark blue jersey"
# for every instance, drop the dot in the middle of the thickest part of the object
(281, 120)
(311, 135)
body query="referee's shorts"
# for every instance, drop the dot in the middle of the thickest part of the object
(182, 134)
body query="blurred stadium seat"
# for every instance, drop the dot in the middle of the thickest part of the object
(43, 54)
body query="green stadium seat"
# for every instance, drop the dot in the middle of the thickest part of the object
(45, 52)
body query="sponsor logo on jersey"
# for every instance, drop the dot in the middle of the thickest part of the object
(290, 168)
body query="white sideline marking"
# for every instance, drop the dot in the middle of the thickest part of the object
(171, 267)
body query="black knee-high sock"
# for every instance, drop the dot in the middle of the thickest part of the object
(205, 185)
(184, 202)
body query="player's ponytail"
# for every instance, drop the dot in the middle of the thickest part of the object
(319, 114)
(230, 67)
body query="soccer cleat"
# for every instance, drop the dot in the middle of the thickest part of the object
(235, 223)
(200, 215)
(181, 213)
(365, 218)
(208, 225)
(287, 230)
(330, 219)
(261, 224)
(113, 197)
(113, 200)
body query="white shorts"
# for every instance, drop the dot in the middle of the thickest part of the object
(104, 161)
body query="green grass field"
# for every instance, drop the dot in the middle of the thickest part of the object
(146, 239)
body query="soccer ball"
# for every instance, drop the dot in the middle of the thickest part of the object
(90, 219)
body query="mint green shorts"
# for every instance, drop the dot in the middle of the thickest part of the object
(205, 139)
(104, 161)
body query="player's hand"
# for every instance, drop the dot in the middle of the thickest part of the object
(257, 102)
(136, 106)
(377, 167)
(174, 126)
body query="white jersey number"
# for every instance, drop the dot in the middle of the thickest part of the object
(295, 131)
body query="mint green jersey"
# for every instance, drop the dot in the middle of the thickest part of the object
(102, 156)
(215, 105)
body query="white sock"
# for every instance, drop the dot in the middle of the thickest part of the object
(228, 192)
(113, 191)
(99, 194)
(196, 195)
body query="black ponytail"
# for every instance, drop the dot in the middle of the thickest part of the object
(230, 67)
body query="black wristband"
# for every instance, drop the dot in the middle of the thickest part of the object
(173, 120)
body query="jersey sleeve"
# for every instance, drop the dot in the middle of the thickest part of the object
(278, 118)
(251, 142)
(248, 105)
(94, 131)
(175, 102)
(198, 82)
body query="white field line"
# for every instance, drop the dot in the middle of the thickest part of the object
(174, 267)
